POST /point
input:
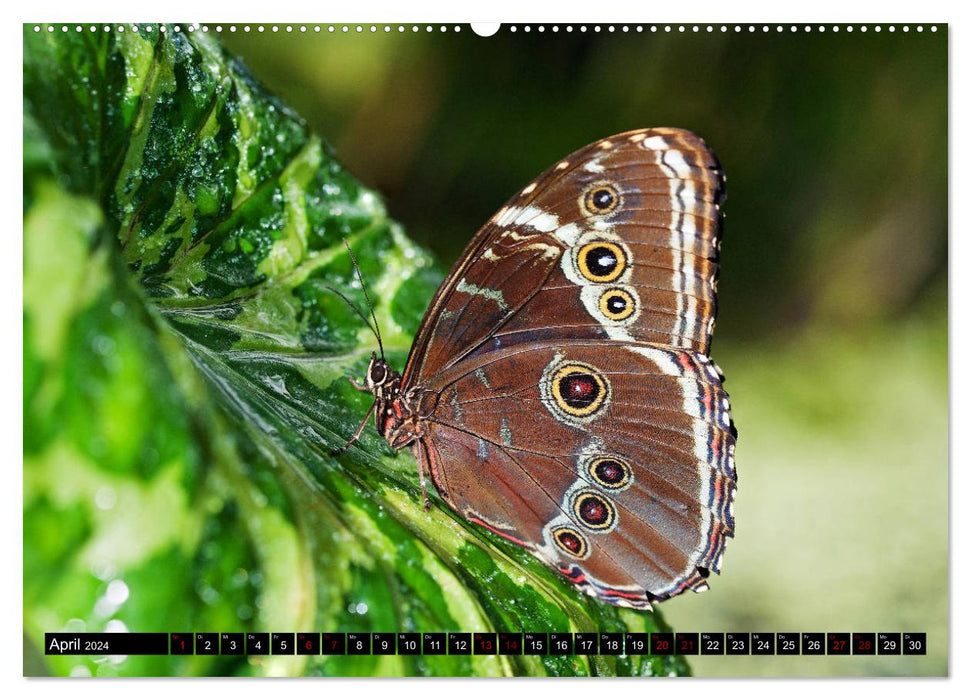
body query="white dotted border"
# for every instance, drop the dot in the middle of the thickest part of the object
(414, 28)
(247, 28)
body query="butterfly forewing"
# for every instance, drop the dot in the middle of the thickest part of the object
(618, 240)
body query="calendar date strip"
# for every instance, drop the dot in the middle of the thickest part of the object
(485, 643)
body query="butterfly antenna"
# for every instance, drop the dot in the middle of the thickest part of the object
(367, 298)
(356, 310)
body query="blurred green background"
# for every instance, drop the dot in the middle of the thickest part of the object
(832, 326)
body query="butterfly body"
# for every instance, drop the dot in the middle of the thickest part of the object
(559, 391)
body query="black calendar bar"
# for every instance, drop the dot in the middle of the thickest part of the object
(486, 643)
(101, 644)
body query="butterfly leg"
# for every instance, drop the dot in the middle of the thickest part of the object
(420, 454)
(357, 385)
(424, 491)
(357, 433)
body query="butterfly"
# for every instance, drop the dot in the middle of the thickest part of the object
(559, 391)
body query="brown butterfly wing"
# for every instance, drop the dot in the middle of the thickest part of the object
(607, 263)
(514, 281)
(631, 500)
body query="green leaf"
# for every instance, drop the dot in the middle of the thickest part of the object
(184, 368)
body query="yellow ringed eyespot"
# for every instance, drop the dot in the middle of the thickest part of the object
(594, 511)
(602, 198)
(611, 473)
(617, 304)
(579, 389)
(571, 541)
(601, 261)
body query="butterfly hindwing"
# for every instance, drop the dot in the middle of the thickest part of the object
(614, 466)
